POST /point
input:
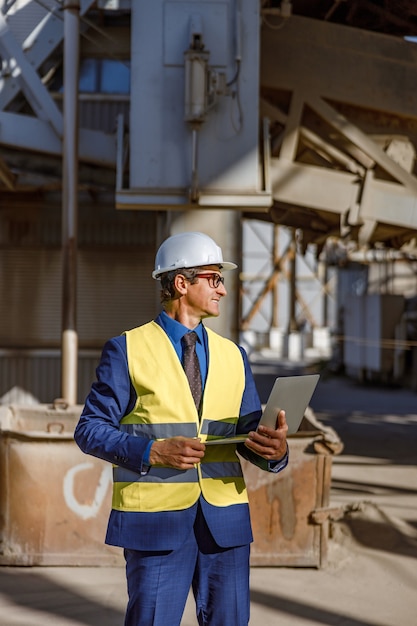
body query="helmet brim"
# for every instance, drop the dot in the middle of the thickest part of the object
(225, 266)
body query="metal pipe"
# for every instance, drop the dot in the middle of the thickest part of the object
(292, 320)
(194, 192)
(275, 290)
(70, 201)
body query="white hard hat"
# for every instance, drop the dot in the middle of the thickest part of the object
(188, 250)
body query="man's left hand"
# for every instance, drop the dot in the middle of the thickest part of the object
(269, 443)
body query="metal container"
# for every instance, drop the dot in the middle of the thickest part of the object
(54, 500)
(284, 507)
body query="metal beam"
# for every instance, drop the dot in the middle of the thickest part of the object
(37, 47)
(313, 140)
(268, 287)
(390, 204)
(362, 141)
(22, 132)
(292, 128)
(313, 187)
(35, 91)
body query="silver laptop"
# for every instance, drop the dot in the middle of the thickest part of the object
(289, 393)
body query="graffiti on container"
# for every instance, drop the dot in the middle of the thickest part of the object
(86, 511)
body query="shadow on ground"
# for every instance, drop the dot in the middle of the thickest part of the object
(37, 593)
(305, 611)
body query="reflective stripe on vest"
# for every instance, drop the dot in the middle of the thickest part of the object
(165, 408)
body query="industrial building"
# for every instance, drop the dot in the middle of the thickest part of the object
(287, 131)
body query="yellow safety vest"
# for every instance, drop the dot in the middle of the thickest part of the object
(165, 408)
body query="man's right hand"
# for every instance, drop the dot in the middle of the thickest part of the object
(179, 452)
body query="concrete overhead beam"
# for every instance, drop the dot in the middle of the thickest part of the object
(341, 63)
(313, 187)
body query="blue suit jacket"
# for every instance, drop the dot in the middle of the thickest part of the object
(111, 397)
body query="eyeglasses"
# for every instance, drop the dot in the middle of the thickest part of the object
(214, 279)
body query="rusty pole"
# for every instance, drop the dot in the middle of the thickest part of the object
(70, 202)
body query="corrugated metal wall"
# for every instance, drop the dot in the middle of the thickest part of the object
(115, 290)
(32, 376)
(114, 285)
(100, 113)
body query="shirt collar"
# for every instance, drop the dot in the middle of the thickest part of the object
(175, 330)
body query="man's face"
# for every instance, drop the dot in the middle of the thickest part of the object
(204, 296)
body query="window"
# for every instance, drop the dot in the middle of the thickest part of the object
(104, 76)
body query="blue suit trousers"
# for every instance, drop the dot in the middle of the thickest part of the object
(159, 582)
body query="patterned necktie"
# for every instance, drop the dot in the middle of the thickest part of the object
(192, 366)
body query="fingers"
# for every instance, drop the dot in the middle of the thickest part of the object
(270, 448)
(281, 421)
(281, 429)
(177, 452)
(269, 443)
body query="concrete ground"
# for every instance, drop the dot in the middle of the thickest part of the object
(371, 575)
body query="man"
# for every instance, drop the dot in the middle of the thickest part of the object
(180, 507)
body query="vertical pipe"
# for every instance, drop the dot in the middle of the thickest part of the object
(275, 288)
(70, 202)
(194, 193)
(292, 322)
(324, 281)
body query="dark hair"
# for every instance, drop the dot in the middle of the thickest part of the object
(167, 281)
